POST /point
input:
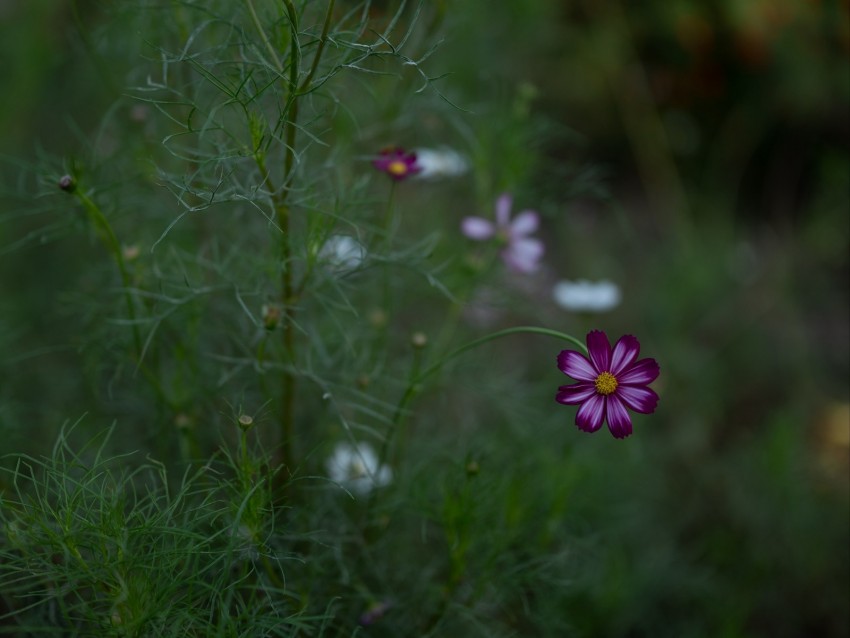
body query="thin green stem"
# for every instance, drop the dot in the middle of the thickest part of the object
(324, 38)
(283, 216)
(245, 461)
(389, 217)
(290, 292)
(389, 230)
(294, 68)
(461, 298)
(288, 300)
(263, 36)
(417, 377)
(271, 573)
(409, 392)
(288, 330)
(109, 239)
(288, 389)
(496, 335)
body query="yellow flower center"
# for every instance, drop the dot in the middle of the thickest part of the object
(356, 470)
(397, 168)
(605, 383)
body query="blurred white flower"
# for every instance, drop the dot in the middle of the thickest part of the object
(439, 163)
(341, 253)
(587, 296)
(355, 467)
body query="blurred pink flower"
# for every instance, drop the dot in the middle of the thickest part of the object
(397, 163)
(521, 252)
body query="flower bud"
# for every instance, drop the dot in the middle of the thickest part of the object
(271, 316)
(131, 253)
(245, 422)
(419, 340)
(67, 183)
(183, 422)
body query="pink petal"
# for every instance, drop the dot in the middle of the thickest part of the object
(503, 210)
(639, 399)
(591, 414)
(576, 365)
(619, 421)
(477, 228)
(523, 255)
(575, 394)
(625, 352)
(599, 350)
(525, 223)
(643, 372)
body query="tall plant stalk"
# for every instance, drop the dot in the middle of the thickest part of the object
(290, 292)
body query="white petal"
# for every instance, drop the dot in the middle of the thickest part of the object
(586, 296)
(355, 467)
(342, 253)
(477, 228)
(438, 163)
(607, 296)
(384, 476)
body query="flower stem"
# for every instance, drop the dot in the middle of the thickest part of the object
(282, 207)
(290, 290)
(496, 335)
(107, 235)
(245, 465)
(110, 241)
(397, 420)
(292, 98)
(305, 85)
(282, 211)
(263, 36)
(288, 329)
(416, 377)
(389, 217)
(389, 231)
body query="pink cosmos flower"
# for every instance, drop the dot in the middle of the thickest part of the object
(397, 163)
(521, 253)
(608, 383)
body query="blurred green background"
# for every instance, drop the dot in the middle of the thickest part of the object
(694, 152)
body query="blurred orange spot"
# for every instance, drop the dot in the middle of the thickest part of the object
(832, 441)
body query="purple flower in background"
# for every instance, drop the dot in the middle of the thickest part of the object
(521, 253)
(608, 383)
(375, 612)
(397, 163)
